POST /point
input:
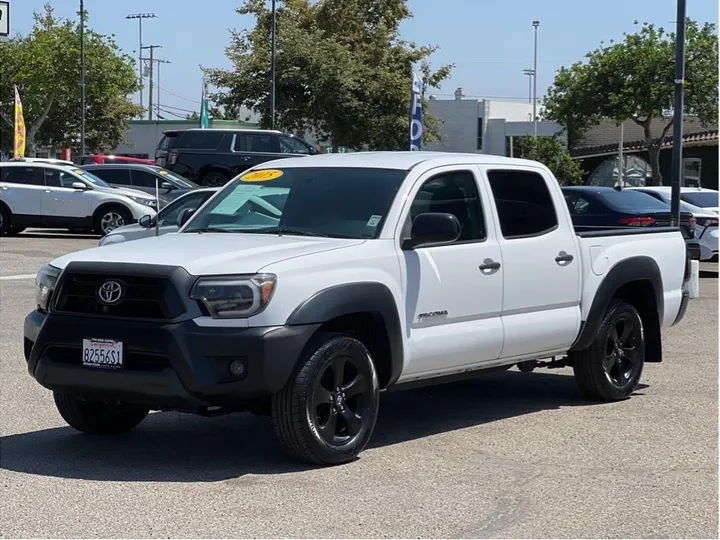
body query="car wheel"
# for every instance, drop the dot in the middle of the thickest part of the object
(110, 218)
(610, 368)
(98, 417)
(214, 179)
(5, 226)
(326, 413)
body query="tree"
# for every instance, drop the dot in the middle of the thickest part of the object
(634, 79)
(342, 71)
(45, 65)
(553, 153)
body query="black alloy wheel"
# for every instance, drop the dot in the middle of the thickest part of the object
(611, 367)
(326, 413)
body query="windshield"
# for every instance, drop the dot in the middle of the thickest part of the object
(181, 181)
(634, 201)
(334, 202)
(90, 177)
(703, 199)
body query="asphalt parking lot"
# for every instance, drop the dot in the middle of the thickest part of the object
(505, 455)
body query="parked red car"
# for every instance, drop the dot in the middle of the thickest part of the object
(103, 158)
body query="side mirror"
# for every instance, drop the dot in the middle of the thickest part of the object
(433, 228)
(79, 185)
(146, 222)
(167, 185)
(184, 216)
(313, 151)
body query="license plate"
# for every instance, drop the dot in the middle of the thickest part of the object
(102, 353)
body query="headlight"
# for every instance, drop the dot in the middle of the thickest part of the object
(141, 200)
(45, 281)
(234, 297)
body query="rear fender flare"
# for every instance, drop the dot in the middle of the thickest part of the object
(624, 272)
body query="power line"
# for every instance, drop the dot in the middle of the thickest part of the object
(178, 95)
(179, 109)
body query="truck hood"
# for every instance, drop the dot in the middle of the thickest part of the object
(208, 253)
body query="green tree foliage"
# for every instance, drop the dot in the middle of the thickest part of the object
(45, 65)
(553, 153)
(634, 79)
(342, 71)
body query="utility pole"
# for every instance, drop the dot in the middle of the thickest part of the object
(535, 120)
(140, 17)
(529, 73)
(273, 31)
(678, 114)
(151, 48)
(82, 78)
(158, 61)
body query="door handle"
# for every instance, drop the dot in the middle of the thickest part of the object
(48, 191)
(489, 264)
(563, 257)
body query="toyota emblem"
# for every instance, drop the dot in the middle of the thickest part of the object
(110, 292)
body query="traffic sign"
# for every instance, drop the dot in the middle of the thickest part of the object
(4, 19)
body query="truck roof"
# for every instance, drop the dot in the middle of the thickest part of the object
(404, 160)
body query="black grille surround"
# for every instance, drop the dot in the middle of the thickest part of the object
(150, 292)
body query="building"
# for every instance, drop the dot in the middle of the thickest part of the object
(598, 154)
(482, 125)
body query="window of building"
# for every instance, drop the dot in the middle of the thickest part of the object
(480, 134)
(454, 193)
(524, 204)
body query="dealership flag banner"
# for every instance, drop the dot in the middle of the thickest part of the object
(204, 113)
(19, 141)
(416, 114)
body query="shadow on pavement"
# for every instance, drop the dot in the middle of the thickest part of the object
(59, 234)
(171, 447)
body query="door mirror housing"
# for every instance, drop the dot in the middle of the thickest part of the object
(167, 186)
(433, 229)
(146, 221)
(184, 216)
(79, 185)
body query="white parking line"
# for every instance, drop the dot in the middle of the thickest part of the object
(17, 276)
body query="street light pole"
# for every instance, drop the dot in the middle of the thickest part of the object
(678, 114)
(140, 17)
(529, 73)
(273, 29)
(82, 78)
(535, 121)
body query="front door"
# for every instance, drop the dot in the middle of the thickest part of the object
(61, 203)
(453, 293)
(542, 277)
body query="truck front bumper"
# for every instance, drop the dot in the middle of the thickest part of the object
(179, 366)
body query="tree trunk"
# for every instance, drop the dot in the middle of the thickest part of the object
(35, 127)
(654, 152)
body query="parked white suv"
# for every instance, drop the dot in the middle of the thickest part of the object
(48, 195)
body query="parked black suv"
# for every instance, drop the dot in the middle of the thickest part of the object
(211, 157)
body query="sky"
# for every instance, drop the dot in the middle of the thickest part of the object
(489, 41)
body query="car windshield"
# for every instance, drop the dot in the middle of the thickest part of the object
(307, 201)
(90, 177)
(176, 178)
(634, 201)
(703, 199)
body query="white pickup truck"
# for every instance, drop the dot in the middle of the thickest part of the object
(306, 286)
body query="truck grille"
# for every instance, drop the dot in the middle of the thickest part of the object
(142, 297)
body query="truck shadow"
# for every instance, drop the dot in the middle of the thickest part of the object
(171, 447)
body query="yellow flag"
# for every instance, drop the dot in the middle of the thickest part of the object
(19, 147)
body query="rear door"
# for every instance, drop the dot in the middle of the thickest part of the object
(21, 189)
(253, 148)
(541, 262)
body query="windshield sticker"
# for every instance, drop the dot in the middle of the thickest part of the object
(235, 199)
(163, 172)
(262, 175)
(373, 221)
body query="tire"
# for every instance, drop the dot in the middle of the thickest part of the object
(108, 218)
(214, 179)
(98, 417)
(5, 218)
(610, 368)
(309, 414)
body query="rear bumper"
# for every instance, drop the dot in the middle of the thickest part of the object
(178, 366)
